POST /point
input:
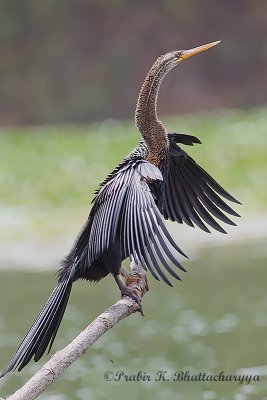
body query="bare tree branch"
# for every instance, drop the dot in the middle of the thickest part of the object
(62, 359)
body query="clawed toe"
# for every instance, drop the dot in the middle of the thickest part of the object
(131, 289)
(128, 293)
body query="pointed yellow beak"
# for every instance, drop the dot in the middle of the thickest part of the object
(188, 53)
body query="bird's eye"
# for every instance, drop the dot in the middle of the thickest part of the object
(178, 54)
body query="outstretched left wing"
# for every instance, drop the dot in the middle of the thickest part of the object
(125, 210)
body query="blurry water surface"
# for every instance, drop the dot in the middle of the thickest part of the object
(214, 320)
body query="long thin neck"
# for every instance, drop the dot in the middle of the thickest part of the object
(146, 117)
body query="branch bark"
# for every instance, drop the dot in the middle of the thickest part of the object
(62, 359)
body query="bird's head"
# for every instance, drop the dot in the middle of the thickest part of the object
(170, 60)
(146, 112)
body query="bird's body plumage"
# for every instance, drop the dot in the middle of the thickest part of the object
(156, 182)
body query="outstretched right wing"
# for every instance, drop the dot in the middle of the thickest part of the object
(191, 194)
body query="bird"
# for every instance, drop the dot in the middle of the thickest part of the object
(157, 181)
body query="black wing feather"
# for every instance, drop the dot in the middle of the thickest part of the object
(188, 204)
(214, 184)
(191, 194)
(194, 201)
(209, 203)
(136, 221)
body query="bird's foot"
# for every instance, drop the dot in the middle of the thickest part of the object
(134, 287)
(129, 293)
(135, 278)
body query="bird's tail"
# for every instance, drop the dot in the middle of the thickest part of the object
(45, 327)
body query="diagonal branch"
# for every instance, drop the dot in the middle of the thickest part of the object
(62, 359)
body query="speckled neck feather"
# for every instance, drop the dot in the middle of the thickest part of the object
(150, 127)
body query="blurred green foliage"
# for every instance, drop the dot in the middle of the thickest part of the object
(77, 60)
(48, 174)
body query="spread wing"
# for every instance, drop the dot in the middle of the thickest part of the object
(191, 194)
(125, 210)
